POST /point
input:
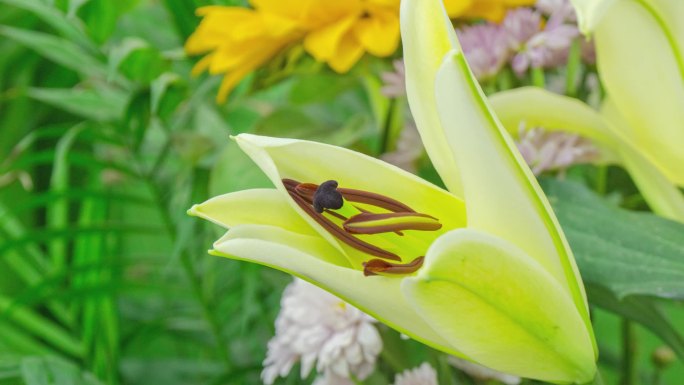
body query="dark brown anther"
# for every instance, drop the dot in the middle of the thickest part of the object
(370, 223)
(336, 231)
(373, 199)
(381, 267)
(327, 197)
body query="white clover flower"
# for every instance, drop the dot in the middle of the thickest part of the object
(535, 46)
(483, 373)
(422, 375)
(394, 81)
(319, 329)
(556, 150)
(485, 47)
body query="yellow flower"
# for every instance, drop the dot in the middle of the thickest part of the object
(238, 40)
(493, 10)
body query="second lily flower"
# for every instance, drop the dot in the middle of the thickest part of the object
(482, 271)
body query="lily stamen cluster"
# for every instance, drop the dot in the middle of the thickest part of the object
(341, 212)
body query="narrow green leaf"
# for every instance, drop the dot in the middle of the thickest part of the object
(61, 51)
(641, 310)
(626, 252)
(54, 371)
(71, 29)
(102, 104)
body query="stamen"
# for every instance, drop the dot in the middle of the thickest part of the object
(387, 203)
(380, 267)
(369, 223)
(327, 197)
(336, 231)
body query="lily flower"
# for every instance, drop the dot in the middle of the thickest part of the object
(482, 271)
(639, 46)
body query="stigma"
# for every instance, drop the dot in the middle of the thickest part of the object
(348, 214)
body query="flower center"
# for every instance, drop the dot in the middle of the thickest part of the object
(349, 214)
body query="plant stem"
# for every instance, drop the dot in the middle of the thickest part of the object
(629, 353)
(573, 67)
(538, 77)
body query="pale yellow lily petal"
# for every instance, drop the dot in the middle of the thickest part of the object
(662, 196)
(590, 13)
(378, 296)
(427, 35)
(641, 63)
(540, 108)
(502, 196)
(256, 207)
(316, 162)
(507, 311)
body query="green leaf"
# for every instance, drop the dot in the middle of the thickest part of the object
(234, 171)
(100, 16)
(626, 252)
(642, 310)
(53, 371)
(69, 28)
(61, 51)
(102, 104)
(137, 60)
(316, 88)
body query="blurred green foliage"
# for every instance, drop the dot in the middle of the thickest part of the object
(106, 140)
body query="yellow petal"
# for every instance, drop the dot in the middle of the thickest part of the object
(349, 51)
(492, 10)
(323, 43)
(456, 8)
(505, 310)
(379, 33)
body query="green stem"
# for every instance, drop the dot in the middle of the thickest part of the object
(629, 353)
(538, 77)
(602, 179)
(573, 67)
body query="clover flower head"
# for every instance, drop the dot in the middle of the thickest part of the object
(422, 375)
(520, 25)
(543, 48)
(485, 47)
(394, 82)
(543, 150)
(319, 329)
(483, 373)
(562, 8)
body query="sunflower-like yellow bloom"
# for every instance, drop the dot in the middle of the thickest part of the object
(493, 10)
(238, 40)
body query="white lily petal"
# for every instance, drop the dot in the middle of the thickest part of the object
(424, 26)
(640, 46)
(590, 13)
(316, 162)
(503, 198)
(256, 206)
(298, 255)
(540, 108)
(508, 311)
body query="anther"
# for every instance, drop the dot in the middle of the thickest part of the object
(382, 267)
(327, 197)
